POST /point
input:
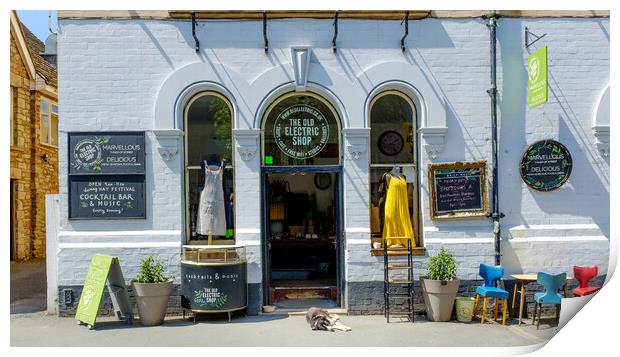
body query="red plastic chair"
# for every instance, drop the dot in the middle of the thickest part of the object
(583, 275)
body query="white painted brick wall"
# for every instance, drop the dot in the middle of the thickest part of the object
(111, 72)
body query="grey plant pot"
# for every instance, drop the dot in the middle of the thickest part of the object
(439, 296)
(152, 301)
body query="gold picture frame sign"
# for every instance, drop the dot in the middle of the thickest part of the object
(463, 191)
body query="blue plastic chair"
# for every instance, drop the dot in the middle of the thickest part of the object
(551, 283)
(491, 274)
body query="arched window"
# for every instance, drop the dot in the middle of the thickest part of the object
(208, 139)
(393, 142)
(301, 129)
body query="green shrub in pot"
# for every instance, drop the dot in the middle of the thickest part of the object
(439, 288)
(151, 271)
(442, 266)
(152, 290)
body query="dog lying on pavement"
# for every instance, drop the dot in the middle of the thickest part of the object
(320, 319)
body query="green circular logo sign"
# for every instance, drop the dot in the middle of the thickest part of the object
(546, 165)
(534, 69)
(301, 131)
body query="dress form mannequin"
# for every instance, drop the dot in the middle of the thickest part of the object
(396, 172)
(397, 227)
(206, 165)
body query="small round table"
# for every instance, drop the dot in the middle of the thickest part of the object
(521, 280)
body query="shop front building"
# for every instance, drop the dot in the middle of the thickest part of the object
(303, 114)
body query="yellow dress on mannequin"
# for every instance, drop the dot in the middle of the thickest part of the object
(397, 222)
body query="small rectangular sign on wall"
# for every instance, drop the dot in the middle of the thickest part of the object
(537, 84)
(107, 197)
(106, 152)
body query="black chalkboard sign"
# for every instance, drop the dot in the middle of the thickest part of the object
(458, 189)
(107, 196)
(107, 175)
(106, 152)
(546, 165)
(214, 288)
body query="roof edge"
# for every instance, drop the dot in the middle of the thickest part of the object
(321, 14)
(22, 47)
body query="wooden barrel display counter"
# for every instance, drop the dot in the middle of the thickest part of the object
(213, 279)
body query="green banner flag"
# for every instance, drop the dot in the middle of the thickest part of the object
(537, 86)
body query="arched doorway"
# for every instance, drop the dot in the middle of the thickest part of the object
(302, 202)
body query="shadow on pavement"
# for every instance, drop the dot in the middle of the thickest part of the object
(28, 286)
(173, 322)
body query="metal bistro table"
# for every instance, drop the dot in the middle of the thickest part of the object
(521, 280)
(213, 279)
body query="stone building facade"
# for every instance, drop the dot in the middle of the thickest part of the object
(34, 159)
(148, 66)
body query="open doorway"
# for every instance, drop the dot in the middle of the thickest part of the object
(302, 230)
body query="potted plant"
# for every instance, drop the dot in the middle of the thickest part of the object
(152, 290)
(440, 286)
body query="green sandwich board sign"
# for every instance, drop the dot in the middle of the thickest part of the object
(102, 269)
(537, 86)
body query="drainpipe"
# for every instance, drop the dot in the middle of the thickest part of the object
(495, 214)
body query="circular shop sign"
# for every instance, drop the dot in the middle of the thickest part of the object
(301, 131)
(87, 153)
(546, 165)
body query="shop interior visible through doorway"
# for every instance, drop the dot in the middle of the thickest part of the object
(302, 236)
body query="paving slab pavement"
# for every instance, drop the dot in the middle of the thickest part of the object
(39, 329)
(28, 286)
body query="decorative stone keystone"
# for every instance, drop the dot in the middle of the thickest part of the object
(301, 64)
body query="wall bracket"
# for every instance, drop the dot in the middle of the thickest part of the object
(335, 31)
(265, 31)
(194, 31)
(527, 37)
(402, 40)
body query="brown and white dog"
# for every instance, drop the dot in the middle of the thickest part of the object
(320, 319)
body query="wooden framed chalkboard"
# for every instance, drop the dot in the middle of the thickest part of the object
(458, 190)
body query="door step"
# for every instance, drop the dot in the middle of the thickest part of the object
(303, 312)
(305, 292)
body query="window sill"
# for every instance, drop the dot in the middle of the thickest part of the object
(50, 146)
(417, 251)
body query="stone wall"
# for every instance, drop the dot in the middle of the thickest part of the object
(33, 176)
(21, 155)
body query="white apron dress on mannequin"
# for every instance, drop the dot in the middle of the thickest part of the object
(211, 208)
